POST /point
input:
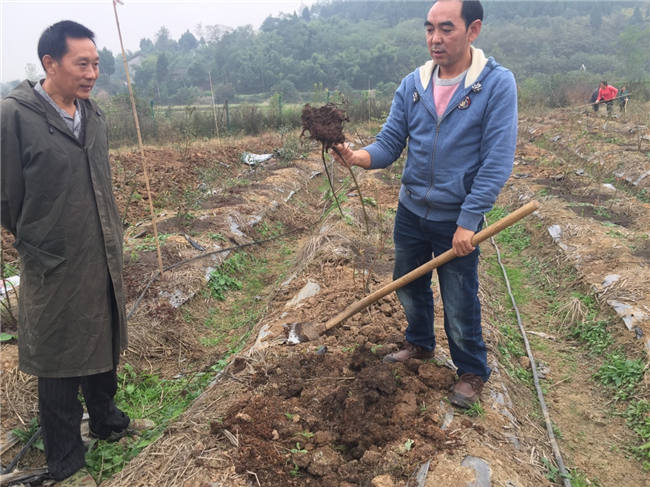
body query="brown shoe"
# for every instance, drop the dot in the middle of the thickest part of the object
(409, 352)
(466, 391)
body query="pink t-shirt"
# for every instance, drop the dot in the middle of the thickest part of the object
(443, 90)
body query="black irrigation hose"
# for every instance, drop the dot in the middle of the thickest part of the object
(20, 454)
(202, 256)
(540, 395)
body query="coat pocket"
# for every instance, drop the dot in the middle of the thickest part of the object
(37, 262)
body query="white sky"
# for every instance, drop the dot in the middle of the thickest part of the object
(23, 21)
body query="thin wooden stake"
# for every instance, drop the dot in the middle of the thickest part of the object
(137, 128)
(214, 107)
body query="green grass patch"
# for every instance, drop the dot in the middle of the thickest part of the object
(515, 237)
(245, 277)
(142, 395)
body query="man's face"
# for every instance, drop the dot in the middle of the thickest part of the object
(75, 74)
(447, 37)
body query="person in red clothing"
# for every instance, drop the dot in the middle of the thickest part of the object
(607, 94)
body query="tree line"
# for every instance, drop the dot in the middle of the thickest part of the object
(350, 46)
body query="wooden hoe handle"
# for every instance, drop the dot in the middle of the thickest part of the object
(443, 258)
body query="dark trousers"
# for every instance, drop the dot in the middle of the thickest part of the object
(61, 412)
(416, 240)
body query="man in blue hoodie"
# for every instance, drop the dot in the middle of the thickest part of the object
(458, 113)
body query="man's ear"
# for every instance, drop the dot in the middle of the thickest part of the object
(49, 64)
(474, 29)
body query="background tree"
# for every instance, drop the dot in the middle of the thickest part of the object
(146, 45)
(163, 40)
(106, 62)
(187, 41)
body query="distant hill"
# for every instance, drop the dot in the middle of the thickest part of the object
(553, 47)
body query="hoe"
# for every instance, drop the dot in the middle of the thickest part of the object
(302, 332)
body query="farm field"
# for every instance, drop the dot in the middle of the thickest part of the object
(250, 250)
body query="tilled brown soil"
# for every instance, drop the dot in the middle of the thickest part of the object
(325, 418)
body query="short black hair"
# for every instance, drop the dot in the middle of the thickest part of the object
(53, 40)
(604, 82)
(470, 11)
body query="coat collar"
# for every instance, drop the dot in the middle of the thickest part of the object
(25, 94)
(478, 63)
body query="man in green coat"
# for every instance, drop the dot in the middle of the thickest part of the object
(58, 203)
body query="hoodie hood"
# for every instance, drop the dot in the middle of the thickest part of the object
(479, 61)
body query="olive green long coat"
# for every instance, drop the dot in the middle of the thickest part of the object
(58, 202)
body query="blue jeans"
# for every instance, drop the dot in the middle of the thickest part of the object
(416, 240)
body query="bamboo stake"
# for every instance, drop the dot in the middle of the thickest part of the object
(137, 128)
(214, 107)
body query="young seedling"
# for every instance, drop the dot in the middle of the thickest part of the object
(325, 124)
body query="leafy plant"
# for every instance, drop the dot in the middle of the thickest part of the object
(24, 434)
(6, 337)
(149, 242)
(222, 279)
(298, 449)
(637, 417)
(621, 374)
(217, 237)
(408, 445)
(9, 270)
(594, 333)
(220, 282)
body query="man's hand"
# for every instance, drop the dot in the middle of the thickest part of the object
(347, 157)
(462, 242)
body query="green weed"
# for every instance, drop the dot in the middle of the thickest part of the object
(621, 374)
(298, 449)
(511, 346)
(637, 417)
(615, 234)
(24, 434)
(579, 479)
(217, 237)
(602, 212)
(475, 410)
(408, 445)
(223, 279)
(270, 231)
(149, 242)
(594, 333)
(9, 270)
(143, 395)
(295, 471)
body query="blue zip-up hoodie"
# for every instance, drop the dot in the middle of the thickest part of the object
(458, 163)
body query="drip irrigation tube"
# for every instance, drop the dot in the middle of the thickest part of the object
(22, 452)
(540, 395)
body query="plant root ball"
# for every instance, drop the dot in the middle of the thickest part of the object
(324, 124)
